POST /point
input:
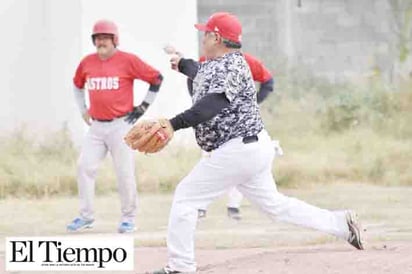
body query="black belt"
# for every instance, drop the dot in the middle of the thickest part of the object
(108, 120)
(250, 139)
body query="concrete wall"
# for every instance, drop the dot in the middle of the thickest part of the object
(261, 35)
(340, 39)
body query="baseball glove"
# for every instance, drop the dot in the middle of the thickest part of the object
(150, 136)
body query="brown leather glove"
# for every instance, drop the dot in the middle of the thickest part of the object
(150, 136)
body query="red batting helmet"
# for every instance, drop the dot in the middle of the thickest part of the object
(106, 27)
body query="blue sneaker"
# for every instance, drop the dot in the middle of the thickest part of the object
(126, 227)
(79, 224)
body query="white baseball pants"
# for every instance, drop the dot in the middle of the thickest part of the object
(248, 168)
(101, 138)
(235, 197)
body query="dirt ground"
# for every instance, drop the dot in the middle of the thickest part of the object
(389, 257)
(253, 245)
(378, 258)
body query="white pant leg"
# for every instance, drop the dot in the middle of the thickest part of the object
(247, 166)
(92, 153)
(124, 165)
(262, 191)
(209, 179)
(235, 198)
(212, 177)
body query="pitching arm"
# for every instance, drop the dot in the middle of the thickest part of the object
(204, 110)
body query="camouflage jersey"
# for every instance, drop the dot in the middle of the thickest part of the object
(230, 75)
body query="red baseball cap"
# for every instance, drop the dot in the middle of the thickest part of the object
(224, 23)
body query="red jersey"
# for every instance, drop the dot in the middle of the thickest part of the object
(259, 72)
(110, 82)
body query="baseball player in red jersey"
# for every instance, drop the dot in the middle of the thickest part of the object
(261, 75)
(108, 75)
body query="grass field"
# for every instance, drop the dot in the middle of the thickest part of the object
(329, 133)
(385, 211)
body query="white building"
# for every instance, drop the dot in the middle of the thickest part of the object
(43, 41)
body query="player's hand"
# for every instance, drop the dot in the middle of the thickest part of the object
(174, 61)
(175, 56)
(87, 118)
(135, 114)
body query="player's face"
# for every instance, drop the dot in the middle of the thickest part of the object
(104, 44)
(209, 42)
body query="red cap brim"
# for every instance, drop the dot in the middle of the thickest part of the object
(202, 27)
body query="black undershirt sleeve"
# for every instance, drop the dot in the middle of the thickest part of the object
(188, 67)
(190, 86)
(204, 110)
(265, 89)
